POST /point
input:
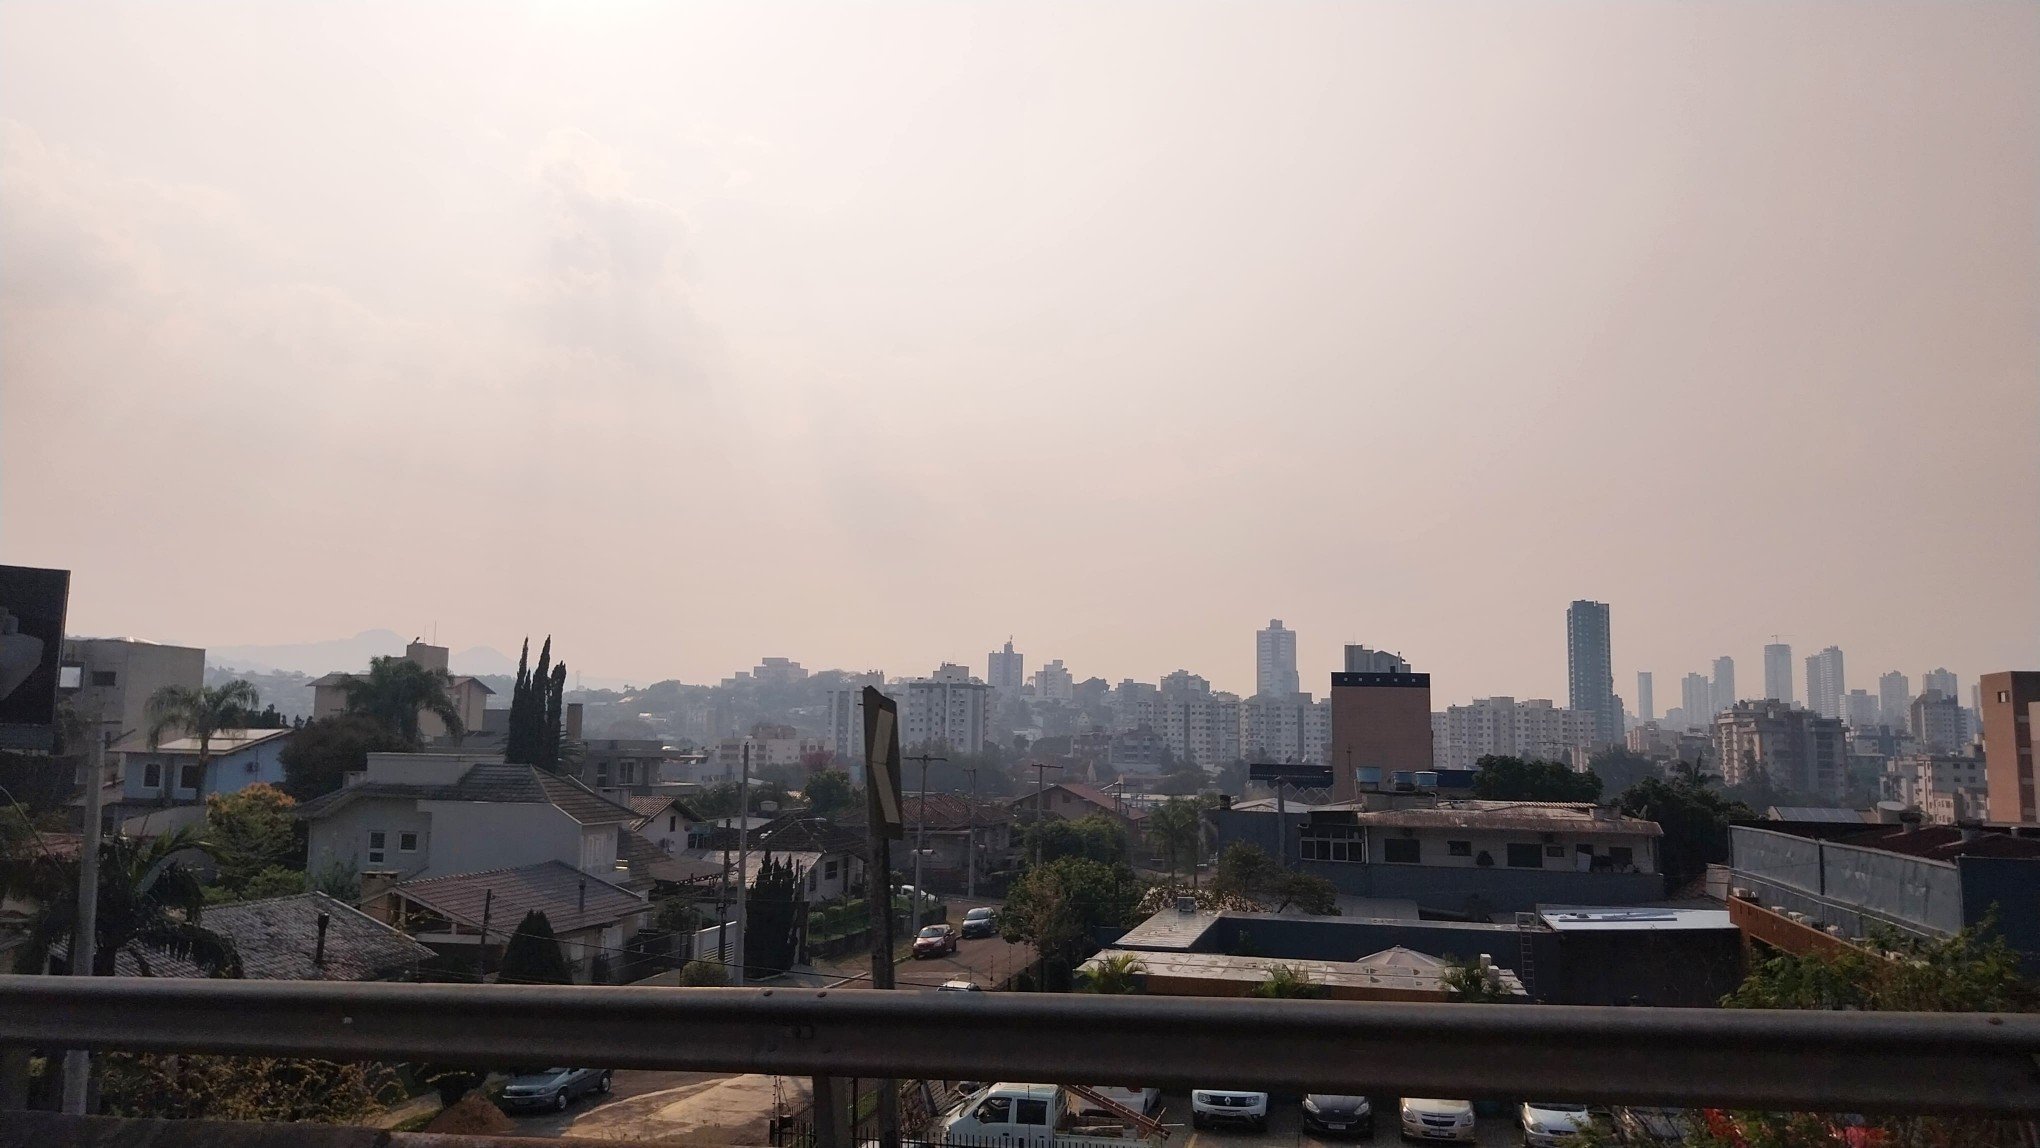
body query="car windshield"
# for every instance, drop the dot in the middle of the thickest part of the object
(1543, 1106)
(934, 930)
(977, 914)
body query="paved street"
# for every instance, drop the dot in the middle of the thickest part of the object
(697, 1108)
(987, 961)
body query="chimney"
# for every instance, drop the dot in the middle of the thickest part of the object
(319, 946)
(572, 732)
(583, 906)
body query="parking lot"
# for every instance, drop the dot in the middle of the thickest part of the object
(1285, 1127)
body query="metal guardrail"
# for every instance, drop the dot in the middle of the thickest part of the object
(1821, 1061)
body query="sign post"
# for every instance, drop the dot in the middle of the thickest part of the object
(882, 799)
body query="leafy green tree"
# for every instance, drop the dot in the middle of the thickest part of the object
(251, 830)
(533, 955)
(1286, 982)
(1175, 829)
(703, 975)
(774, 910)
(1973, 971)
(1619, 769)
(1467, 981)
(1694, 819)
(395, 691)
(721, 798)
(1056, 905)
(1116, 975)
(276, 882)
(319, 756)
(1246, 870)
(149, 904)
(1504, 778)
(1095, 836)
(199, 711)
(828, 793)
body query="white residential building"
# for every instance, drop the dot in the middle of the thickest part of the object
(1136, 706)
(1052, 682)
(1894, 700)
(1006, 669)
(1535, 730)
(1275, 661)
(1203, 729)
(950, 708)
(1286, 728)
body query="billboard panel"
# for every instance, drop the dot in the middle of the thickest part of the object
(32, 603)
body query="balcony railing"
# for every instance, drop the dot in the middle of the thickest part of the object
(1824, 1061)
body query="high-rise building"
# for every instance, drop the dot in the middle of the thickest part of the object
(1860, 709)
(1646, 705)
(1379, 722)
(1798, 750)
(1935, 720)
(1201, 728)
(1006, 669)
(1778, 672)
(1178, 683)
(1590, 672)
(1696, 699)
(1275, 660)
(1283, 729)
(1362, 660)
(1894, 699)
(1053, 683)
(1940, 678)
(1825, 683)
(1534, 730)
(1724, 683)
(948, 709)
(2010, 701)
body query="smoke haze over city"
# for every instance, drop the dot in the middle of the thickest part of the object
(868, 336)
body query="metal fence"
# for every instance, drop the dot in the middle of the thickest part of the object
(1820, 1061)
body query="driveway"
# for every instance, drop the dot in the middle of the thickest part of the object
(700, 1108)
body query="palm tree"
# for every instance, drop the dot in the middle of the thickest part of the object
(148, 903)
(395, 691)
(1174, 828)
(1117, 974)
(200, 711)
(1287, 982)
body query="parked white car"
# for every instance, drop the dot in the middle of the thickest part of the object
(1209, 1106)
(1424, 1119)
(1551, 1123)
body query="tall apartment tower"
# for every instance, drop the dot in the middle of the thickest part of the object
(1275, 661)
(1825, 683)
(2010, 701)
(1696, 697)
(1006, 669)
(1724, 684)
(1778, 672)
(1940, 678)
(1894, 700)
(1590, 672)
(1646, 704)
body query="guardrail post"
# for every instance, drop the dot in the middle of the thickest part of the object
(830, 1114)
(13, 1077)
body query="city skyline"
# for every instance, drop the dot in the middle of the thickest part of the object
(1038, 365)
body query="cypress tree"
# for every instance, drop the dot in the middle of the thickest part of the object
(520, 700)
(533, 955)
(554, 705)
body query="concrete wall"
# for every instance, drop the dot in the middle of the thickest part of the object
(2010, 886)
(475, 836)
(139, 669)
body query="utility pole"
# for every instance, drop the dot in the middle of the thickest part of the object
(921, 836)
(743, 860)
(78, 1062)
(482, 946)
(970, 865)
(1040, 802)
(1281, 827)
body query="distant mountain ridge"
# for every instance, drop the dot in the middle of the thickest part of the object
(348, 655)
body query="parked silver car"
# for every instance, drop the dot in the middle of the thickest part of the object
(531, 1090)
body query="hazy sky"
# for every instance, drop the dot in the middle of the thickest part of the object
(869, 334)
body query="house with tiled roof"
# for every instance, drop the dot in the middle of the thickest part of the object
(425, 815)
(663, 820)
(305, 937)
(457, 915)
(828, 857)
(1073, 799)
(953, 821)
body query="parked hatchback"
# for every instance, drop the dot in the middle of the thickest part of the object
(1550, 1124)
(1424, 1119)
(1339, 1115)
(554, 1088)
(935, 941)
(981, 922)
(1209, 1106)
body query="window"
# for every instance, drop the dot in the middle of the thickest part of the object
(152, 775)
(996, 1110)
(1331, 843)
(1526, 856)
(829, 869)
(1621, 856)
(187, 777)
(407, 842)
(672, 823)
(1459, 848)
(377, 839)
(1030, 1112)
(1559, 851)
(1402, 850)
(106, 678)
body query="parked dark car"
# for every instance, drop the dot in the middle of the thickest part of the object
(1339, 1115)
(531, 1090)
(935, 941)
(982, 922)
